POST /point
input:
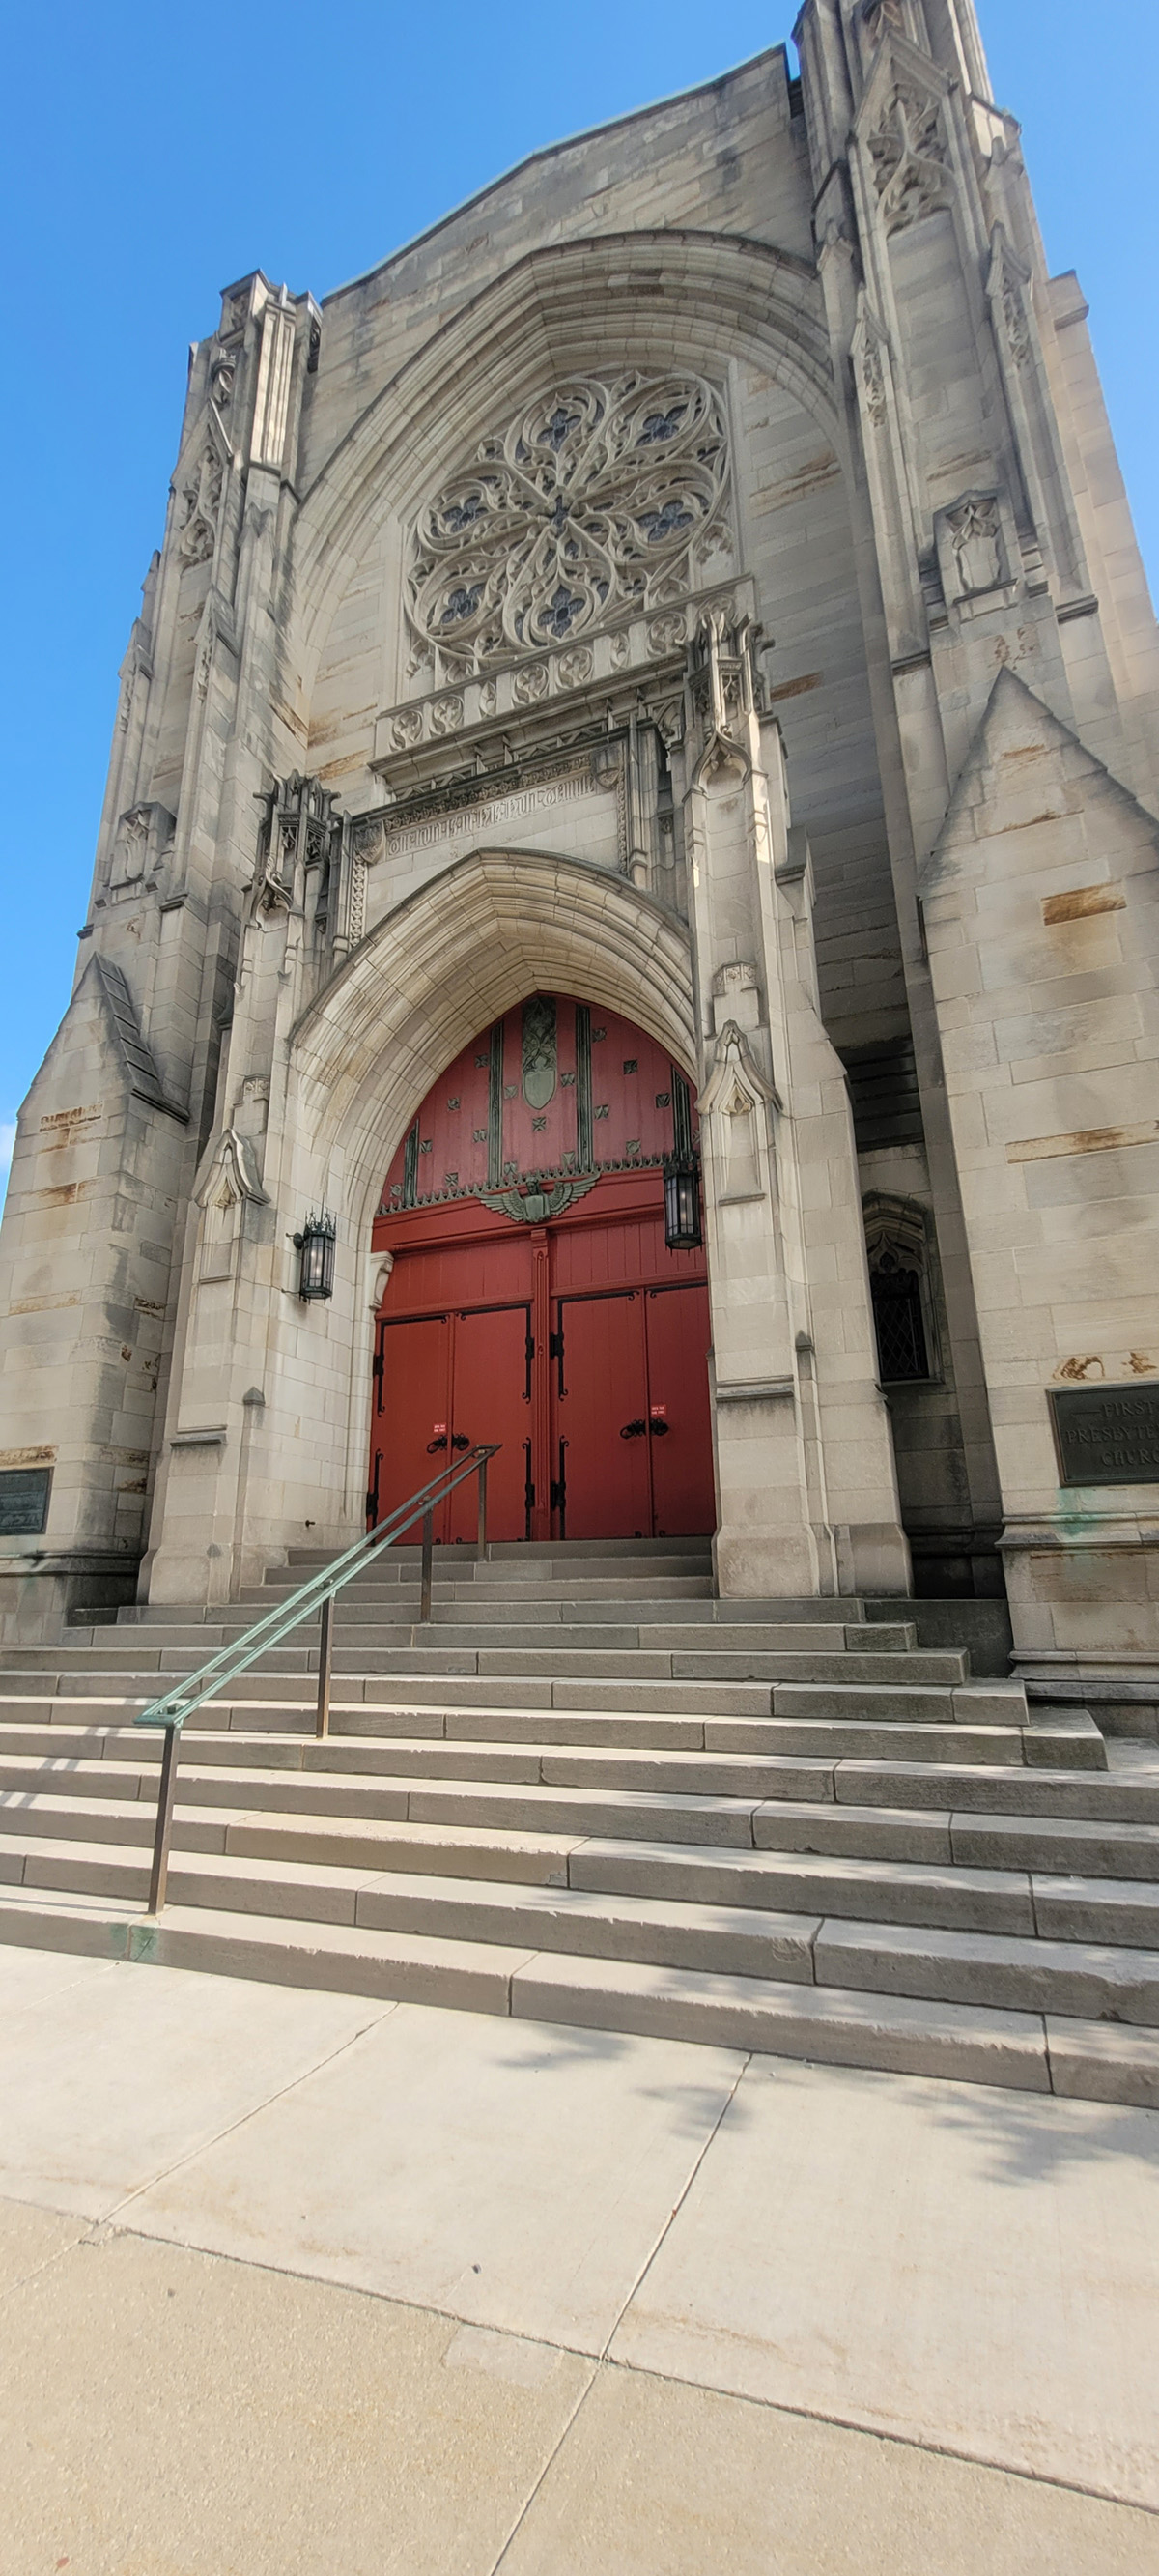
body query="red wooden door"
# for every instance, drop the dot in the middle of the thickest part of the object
(491, 1400)
(680, 1430)
(574, 1339)
(600, 1417)
(411, 1436)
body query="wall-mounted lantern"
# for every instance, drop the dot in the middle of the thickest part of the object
(682, 1226)
(315, 1245)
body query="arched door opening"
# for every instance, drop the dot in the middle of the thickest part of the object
(533, 1299)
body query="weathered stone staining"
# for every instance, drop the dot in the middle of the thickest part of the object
(697, 578)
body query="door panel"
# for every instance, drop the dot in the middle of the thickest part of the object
(412, 1411)
(600, 1391)
(491, 1379)
(680, 1435)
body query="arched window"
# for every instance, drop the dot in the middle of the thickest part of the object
(903, 1313)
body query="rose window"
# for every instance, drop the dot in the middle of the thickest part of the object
(600, 497)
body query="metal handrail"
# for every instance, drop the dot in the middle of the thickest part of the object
(317, 1593)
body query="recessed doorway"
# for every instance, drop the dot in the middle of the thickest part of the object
(533, 1299)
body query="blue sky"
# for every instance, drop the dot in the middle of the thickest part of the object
(151, 156)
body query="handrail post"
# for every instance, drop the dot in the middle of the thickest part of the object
(319, 1593)
(159, 1874)
(325, 1659)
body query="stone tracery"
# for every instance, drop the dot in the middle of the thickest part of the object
(595, 498)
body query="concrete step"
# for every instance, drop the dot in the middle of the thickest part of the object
(1056, 1846)
(830, 1749)
(428, 1680)
(665, 1931)
(1123, 1913)
(539, 1552)
(41, 1737)
(779, 2016)
(456, 1604)
(915, 1687)
(216, 1802)
(965, 1900)
(1079, 1979)
(292, 1844)
(369, 1823)
(588, 1788)
(735, 1760)
(686, 1625)
(730, 1651)
(750, 1772)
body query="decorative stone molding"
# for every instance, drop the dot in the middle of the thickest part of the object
(141, 845)
(737, 1099)
(871, 362)
(722, 694)
(222, 375)
(378, 1273)
(737, 988)
(1008, 285)
(228, 1182)
(231, 1161)
(880, 17)
(299, 838)
(275, 372)
(201, 505)
(634, 664)
(907, 155)
(736, 1084)
(977, 548)
(574, 667)
(756, 1390)
(216, 623)
(238, 302)
(594, 498)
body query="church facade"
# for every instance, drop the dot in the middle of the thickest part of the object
(626, 909)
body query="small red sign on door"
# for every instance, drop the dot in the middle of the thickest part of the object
(659, 1412)
(438, 1428)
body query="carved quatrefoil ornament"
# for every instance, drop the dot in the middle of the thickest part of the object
(596, 499)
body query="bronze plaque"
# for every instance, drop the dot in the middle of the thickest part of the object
(23, 1500)
(1107, 1435)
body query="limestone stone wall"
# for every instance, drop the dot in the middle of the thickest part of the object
(1041, 904)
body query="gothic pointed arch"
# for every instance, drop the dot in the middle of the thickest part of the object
(469, 944)
(586, 298)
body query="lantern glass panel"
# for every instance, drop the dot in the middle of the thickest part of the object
(316, 1248)
(682, 1227)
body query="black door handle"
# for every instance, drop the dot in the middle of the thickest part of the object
(432, 1445)
(460, 1440)
(659, 1430)
(632, 1430)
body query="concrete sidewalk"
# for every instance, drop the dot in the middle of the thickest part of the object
(301, 2282)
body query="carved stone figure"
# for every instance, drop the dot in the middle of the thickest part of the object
(973, 530)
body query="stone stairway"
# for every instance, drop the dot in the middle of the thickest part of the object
(589, 1792)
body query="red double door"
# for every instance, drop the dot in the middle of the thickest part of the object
(595, 1388)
